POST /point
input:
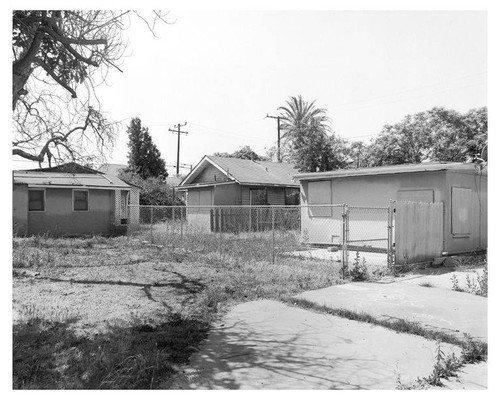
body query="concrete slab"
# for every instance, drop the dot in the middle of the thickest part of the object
(269, 345)
(435, 308)
(471, 377)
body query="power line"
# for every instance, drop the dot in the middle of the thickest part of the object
(422, 87)
(178, 131)
(278, 119)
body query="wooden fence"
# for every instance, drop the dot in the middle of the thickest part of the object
(418, 231)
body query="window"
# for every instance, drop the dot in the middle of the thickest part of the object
(258, 197)
(320, 192)
(461, 203)
(80, 200)
(292, 197)
(36, 200)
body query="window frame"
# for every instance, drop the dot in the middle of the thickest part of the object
(44, 199)
(73, 200)
(452, 225)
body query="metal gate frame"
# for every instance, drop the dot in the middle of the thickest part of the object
(345, 236)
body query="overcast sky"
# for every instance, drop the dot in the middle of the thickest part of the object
(221, 72)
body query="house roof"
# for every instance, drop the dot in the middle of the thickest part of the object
(389, 169)
(173, 180)
(57, 177)
(246, 172)
(112, 169)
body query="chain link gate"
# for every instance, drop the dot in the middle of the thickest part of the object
(369, 231)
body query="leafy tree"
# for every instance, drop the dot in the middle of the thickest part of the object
(438, 134)
(358, 155)
(458, 137)
(56, 57)
(144, 158)
(245, 153)
(154, 190)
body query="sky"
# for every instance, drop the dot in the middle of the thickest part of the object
(223, 71)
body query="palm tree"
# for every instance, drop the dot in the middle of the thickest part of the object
(300, 118)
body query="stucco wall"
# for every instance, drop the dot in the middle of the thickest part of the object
(376, 191)
(365, 191)
(20, 209)
(60, 219)
(478, 239)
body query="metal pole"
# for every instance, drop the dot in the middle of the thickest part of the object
(347, 237)
(181, 224)
(272, 213)
(345, 260)
(151, 224)
(220, 233)
(389, 235)
(279, 140)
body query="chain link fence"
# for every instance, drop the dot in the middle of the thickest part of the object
(350, 236)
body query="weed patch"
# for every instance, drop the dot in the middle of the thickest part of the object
(48, 355)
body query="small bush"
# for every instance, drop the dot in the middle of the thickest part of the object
(473, 350)
(477, 285)
(359, 271)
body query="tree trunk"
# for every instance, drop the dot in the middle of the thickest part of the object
(22, 69)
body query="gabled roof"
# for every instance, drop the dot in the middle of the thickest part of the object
(245, 172)
(112, 169)
(79, 177)
(72, 168)
(388, 169)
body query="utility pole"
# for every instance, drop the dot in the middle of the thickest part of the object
(177, 129)
(278, 118)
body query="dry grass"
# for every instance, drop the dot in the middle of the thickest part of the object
(117, 313)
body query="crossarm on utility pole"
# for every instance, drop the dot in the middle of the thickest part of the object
(177, 130)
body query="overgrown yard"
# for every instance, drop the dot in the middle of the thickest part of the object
(119, 313)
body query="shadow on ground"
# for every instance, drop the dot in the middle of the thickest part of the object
(49, 355)
(268, 345)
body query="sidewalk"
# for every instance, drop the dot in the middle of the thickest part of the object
(433, 307)
(269, 345)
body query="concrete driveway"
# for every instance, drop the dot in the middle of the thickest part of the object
(433, 307)
(269, 345)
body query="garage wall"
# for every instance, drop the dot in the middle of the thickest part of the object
(324, 224)
(466, 209)
(199, 218)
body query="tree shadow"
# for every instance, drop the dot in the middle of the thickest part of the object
(240, 357)
(184, 286)
(50, 355)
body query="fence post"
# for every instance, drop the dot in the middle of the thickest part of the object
(390, 221)
(272, 218)
(151, 224)
(345, 230)
(220, 233)
(182, 224)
